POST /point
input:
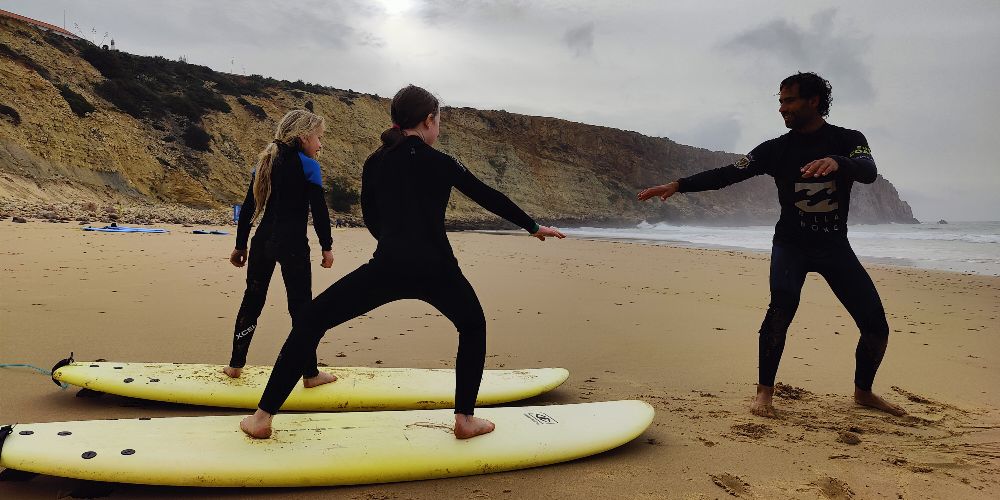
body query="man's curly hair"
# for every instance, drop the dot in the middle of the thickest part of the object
(812, 85)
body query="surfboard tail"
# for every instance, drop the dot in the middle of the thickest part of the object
(4, 432)
(60, 364)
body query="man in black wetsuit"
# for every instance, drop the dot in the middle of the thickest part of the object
(814, 166)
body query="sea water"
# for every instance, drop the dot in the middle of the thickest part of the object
(965, 247)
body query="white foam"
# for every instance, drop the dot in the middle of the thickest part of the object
(963, 246)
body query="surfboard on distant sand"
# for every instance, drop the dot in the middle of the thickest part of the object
(357, 388)
(318, 449)
(125, 229)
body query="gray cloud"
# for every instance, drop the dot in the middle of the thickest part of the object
(580, 39)
(721, 133)
(442, 12)
(817, 47)
(311, 23)
(262, 25)
(702, 73)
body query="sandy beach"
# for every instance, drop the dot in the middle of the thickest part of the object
(675, 327)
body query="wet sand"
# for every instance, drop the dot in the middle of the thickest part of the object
(675, 327)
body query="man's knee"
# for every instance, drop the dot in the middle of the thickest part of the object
(777, 320)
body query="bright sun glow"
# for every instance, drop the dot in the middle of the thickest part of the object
(397, 7)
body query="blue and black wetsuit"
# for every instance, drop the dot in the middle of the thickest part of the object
(404, 194)
(811, 235)
(296, 188)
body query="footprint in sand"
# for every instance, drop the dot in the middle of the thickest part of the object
(751, 430)
(833, 488)
(848, 437)
(732, 484)
(707, 442)
(911, 396)
(790, 392)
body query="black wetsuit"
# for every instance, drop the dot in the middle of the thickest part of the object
(296, 187)
(404, 194)
(811, 235)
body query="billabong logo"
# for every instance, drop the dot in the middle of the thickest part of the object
(540, 418)
(861, 151)
(816, 196)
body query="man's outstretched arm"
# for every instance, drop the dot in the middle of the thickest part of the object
(717, 178)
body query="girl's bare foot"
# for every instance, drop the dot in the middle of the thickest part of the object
(232, 372)
(762, 402)
(322, 378)
(467, 426)
(869, 399)
(258, 425)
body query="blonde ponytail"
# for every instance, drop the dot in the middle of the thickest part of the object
(293, 125)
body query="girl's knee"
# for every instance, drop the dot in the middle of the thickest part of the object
(306, 317)
(876, 330)
(474, 329)
(256, 286)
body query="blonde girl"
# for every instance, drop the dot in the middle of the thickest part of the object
(286, 185)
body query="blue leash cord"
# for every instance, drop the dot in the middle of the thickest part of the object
(43, 371)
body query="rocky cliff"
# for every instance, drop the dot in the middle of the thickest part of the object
(85, 125)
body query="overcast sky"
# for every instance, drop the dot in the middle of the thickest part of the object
(919, 78)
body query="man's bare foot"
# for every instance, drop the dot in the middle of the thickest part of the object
(322, 378)
(869, 399)
(258, 425)
(467, 426)
(762, 402)
(232, 372)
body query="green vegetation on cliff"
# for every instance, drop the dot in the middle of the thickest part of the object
(78, 122)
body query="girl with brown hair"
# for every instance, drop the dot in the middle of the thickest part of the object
(406, 184)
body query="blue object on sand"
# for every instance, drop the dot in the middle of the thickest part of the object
(114, 228)
(204, 231)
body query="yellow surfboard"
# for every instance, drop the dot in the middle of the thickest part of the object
(316, 449)
(356, 388)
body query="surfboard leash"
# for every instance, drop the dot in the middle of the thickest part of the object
(43, 371)
(4, 432)
(62, 362)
